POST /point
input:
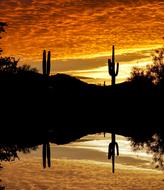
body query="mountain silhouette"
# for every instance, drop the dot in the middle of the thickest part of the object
(64, 108)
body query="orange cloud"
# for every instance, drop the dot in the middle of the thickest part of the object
(77, 28)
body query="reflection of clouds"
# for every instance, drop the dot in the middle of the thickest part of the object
(81, 174)
(75, 27)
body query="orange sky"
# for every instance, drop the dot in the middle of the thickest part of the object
(80, 33)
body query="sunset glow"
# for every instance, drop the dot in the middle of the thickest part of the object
(80, 33)
(82, 87)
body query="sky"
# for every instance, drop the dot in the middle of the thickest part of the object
(80, 34)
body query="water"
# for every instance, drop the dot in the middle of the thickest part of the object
(95, 148)
(82, 164)
(100, 143)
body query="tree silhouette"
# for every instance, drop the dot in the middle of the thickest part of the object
(10, 65)
(153, 74)
(2, 29)
(10, 153)
(156, 70)
(26, 68)
(143, 79)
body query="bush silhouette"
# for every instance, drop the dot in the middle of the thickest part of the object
(149, 80)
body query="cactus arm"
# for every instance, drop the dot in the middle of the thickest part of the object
(48, 155)
(117, 69)
(48, 63)
(44, 62)
(44, 155)
(117, 149)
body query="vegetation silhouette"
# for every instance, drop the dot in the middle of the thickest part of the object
(76, 108)
(151, 81)
(2, 29)
(67, 108)
(8, 69)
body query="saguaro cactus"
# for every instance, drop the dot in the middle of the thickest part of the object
(46, 65)
(111, 67)
(113, 144)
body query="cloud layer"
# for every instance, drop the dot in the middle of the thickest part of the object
(79, 28)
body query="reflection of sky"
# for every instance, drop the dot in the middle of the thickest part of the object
(75, 29)
(102, 145)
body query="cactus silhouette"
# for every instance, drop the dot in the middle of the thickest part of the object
(104, 129)
(113, 74)
(111, 67)
(48, 155)
(44, 154)
(46, 65)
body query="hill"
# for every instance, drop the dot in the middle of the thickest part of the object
(65, 108)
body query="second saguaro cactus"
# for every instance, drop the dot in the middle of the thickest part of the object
(113, 72)
(46, 66)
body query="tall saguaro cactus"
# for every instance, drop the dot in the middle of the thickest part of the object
(113, 72)
(46, 65)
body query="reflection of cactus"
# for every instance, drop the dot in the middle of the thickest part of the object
(111, 151)
(48, 155)
(44, 155)
(46, 64)
(113, 74)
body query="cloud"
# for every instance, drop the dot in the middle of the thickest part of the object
(77, 28)
(88, 65)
